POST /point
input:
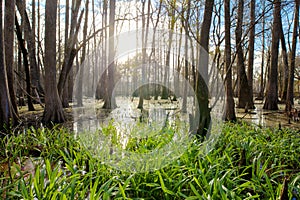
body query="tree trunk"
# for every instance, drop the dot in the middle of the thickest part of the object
(30, 39)
(178, 68)
(285, 64)
(186, 63)
(244, 97)
(261, 92)
(153, 52)
(35, 68)
(26, 65)
(82, 65)
(20, 92)
(165, 90)
(70, 50)
(141, 89)
(110, 101)
(5, 105)
(202, 92)
(101, 85)
(290, 93)
(69, 86)
(53, 112)
(229, 114)
(251, 50)
(65, 95)
(271, 102)
(9, 22)
(96, 59)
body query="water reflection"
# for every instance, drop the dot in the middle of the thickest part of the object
(116, 145)
(126, 117)
(267, 118)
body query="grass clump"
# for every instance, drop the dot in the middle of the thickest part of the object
(247, 162)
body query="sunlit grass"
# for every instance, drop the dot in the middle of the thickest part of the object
(246, 162)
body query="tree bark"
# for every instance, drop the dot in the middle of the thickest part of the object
(165, 90)
(26, 65)
(229, 114)
(251, 51)
(70, 50)
(53, 112)
(261, 92)
(9, 22)
(271, 102)
(101, 85)
(142, 89)
(290, 93)
(5, 105)
(244, 99)
(186, 63)
(178, 68)
(202, 92)
(110, 101)
(82, 63)
(285, 64)
(30, 39)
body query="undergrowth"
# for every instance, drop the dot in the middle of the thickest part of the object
(247, 162)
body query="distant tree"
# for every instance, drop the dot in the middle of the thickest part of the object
(271, 102)
(290, 93)
(82, 65)
(34, 68)
(29, 37)
(154, 52)
(28, 51)
(178, 67)
(25, 64)
(229, 114)
(53, 112)
(97, 59)
(172, 21)
(70, 50)
(101, 85)
(261, 91)
(185, 23)
(145, 27)
(109, 100)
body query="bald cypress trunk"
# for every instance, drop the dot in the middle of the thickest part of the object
(271, 102)
(53, 112)
(9, 21)
(110, 101)
(229, 114)
(290, 93)
(251, 52)
(202, 92)
(244, 98)
(5, 105)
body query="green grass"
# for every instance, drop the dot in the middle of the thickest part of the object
(247, 162)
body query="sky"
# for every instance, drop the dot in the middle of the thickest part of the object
(128, 6)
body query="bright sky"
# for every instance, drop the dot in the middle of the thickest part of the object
(128, 9)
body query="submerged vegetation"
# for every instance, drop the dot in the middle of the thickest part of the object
(246, 162)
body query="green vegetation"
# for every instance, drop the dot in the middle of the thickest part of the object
(247, 162)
